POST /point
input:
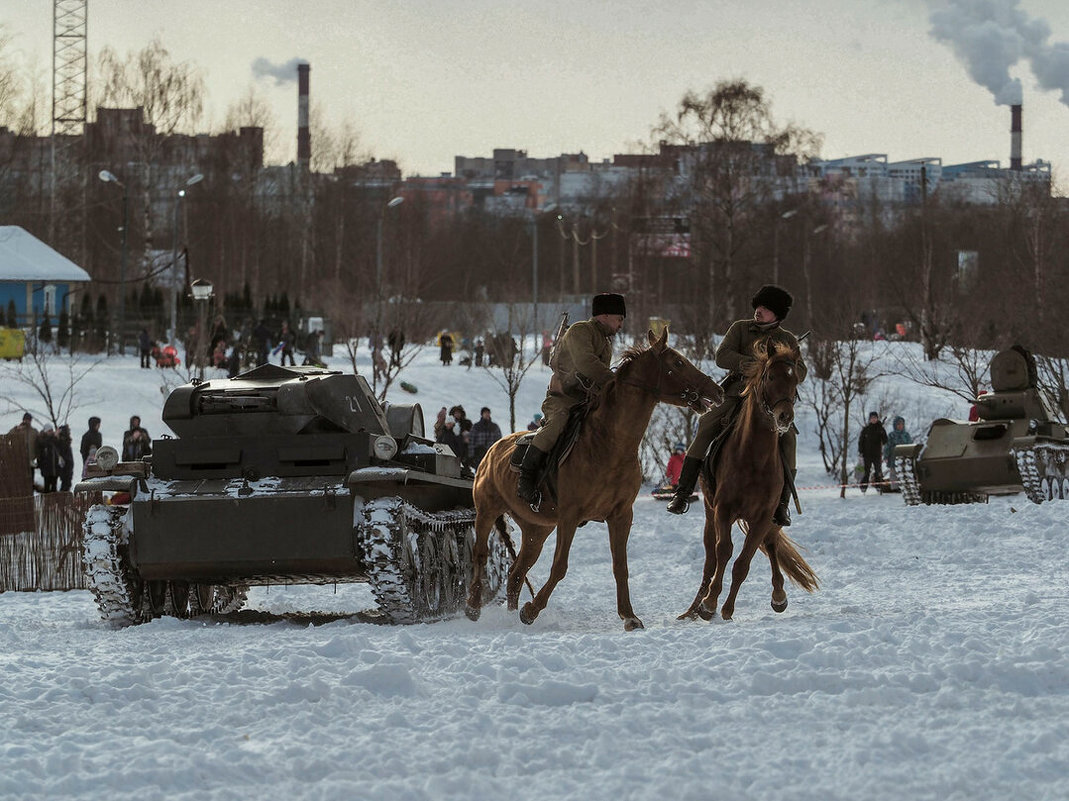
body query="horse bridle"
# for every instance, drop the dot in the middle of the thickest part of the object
(769, 408)
(690, 395)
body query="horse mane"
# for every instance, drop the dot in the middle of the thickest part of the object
(624, 367)
(766, 353)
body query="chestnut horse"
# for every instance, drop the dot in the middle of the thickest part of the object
(749, 481)
(598, 481)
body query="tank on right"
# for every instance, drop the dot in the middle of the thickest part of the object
(1019, 443)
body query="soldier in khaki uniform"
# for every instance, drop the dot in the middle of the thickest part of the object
(580, 366)
(771, 304)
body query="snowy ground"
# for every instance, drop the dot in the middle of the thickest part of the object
(932, 664)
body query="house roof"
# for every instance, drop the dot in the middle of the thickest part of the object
(24, 257)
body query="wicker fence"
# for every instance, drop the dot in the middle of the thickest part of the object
(40, 535)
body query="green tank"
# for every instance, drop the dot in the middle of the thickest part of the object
(283, 475)
(1020, 443)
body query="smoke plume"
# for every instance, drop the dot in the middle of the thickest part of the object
(991, 36)
(282, 73)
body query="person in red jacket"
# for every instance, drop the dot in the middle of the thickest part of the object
(675, 464)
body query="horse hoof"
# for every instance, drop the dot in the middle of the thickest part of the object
(473, 612)
(704, 613)
(528, 614)
(779, 607)
(690, 614)
(512, 603)
(632, 623)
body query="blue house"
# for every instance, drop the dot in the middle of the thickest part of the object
(39, 280)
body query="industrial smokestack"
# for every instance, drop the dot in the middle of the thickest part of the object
(1015, 137)
(304, 136)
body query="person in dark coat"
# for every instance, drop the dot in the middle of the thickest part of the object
(870, 445)
(446, 341)
(48, 458)
(288, 339)
(136, 441)
(484, 433)
(66, 458)
(145, 345)
(261, 340)
(450, 434)
(90, 439)
(29, 435)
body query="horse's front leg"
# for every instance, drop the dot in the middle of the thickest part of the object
(779, 595)
(708, 567)
(741, 568)
(619, 531)
(722, 524)
(534, 537)
(565, 534)
(484, 522)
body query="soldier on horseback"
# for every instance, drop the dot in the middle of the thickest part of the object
(771, 304)
(580, 368)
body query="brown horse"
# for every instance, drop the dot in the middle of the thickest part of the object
(749, 481)
(598, 481)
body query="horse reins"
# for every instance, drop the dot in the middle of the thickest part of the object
(689, 395)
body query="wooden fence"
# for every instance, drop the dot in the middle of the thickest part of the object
(48, 556)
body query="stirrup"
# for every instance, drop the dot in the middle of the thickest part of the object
(782, 516)
(673, 507)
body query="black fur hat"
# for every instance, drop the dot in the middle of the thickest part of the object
(774, 298)
(608, 303)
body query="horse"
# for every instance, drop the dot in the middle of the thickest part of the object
(749, 476)
(599, 480)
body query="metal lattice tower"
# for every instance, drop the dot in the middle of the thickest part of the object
(69, 63)
(66, 219)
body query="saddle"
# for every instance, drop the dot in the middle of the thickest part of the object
(547, 476)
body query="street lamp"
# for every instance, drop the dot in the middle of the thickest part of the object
(173, 332)
(201, 290)
(108, 178)
(393, 203)
(534, 259)
(775, 243)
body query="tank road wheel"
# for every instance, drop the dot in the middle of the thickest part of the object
(157, 597)
(201, 599)
(412, 560)
(498, 562)
(108, 572)
(229, 598)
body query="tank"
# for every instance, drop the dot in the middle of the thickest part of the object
(283, 475)
(1019, 444)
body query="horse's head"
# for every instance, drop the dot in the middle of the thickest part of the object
(667, 374)
(772, 380)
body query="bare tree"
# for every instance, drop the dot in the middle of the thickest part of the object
(971, 370)
(53, 380)
(513, 359)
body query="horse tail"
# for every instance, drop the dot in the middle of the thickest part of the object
(791, 562)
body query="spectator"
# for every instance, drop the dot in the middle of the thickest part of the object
(450, 434)
(480, 350)
(66, 458)
(29, 434)
(91, 440)
(136, 441)
(675, 464)
(48, 458)
(484, 433)
(870, 445)
(286, 339)
(261, 340)
(458, 414)
(536, 422)
(219, 357)
(396, 341)
(547, 347)
(446, 341)
(974, 410)
(439, 423)
(898, 436)
(313, 350)
(145, 345)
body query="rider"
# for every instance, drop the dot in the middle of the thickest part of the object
(580, 367)
(771, 304)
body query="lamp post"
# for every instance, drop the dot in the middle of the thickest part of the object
(202, 293)
(806, 254)
(393, 203)
(775, 243)
(108, 178)
(172, 334)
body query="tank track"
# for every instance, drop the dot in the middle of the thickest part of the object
(1044, 470)
(907, 477)
(418, 562)
(122, 598)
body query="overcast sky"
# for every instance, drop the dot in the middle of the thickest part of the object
(425, 80)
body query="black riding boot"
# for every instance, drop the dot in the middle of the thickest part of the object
(527, 487)
(688, 477)
(782, 515)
